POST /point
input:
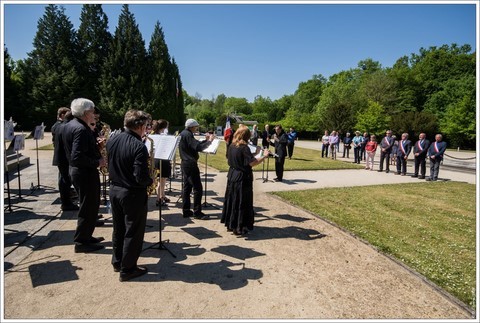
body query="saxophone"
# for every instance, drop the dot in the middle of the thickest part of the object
(152, 189)
(105, 133)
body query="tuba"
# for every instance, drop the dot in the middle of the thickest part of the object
(152, 189)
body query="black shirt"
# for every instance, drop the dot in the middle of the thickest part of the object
(80, 145)
(59, 155)
(128, 161)
(189, 147)
(239, 159)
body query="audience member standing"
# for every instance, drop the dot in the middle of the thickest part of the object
(325, 144)
(420, 152)
(370, 148)
(385, 150)
(366, 138)
(347, 145)
(332, 142)
(254, 138)
(435, 155)
(292, 136)
(84, 158)
(357, 143)
(237, 213)
(266, 137)
(404, 148)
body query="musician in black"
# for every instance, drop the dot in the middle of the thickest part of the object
(60, 160)
(189, 147)
(129, 176)
(84, 159)
(280, 140)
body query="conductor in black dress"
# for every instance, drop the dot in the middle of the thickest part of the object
(280, 140)
(129, 176)
(84, 158)
(189, 147)
(237, 213)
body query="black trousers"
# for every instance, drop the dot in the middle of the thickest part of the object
(385, 155)
(279, 163)
(356, 155)
(401, 165)
(420, 164)
(191, 180)
(87, 184)
(290, 147)
(129, 212)
(325, 150)
(64, 184)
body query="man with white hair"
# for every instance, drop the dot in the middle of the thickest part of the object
(84, 158)
(189, 147)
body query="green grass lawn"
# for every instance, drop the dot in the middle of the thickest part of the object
(303, 159)
(428, 226)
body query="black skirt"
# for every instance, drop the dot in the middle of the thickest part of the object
(237, 210)
(166, 167)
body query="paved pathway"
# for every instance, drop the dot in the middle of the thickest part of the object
(293, 265)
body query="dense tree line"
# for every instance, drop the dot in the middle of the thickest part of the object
(430, 91)
(115, 71)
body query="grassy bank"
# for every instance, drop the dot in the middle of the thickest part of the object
(428, 226)
(303, 159)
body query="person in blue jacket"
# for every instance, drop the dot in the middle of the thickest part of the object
(435, 155)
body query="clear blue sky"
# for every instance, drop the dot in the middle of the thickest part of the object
(244, 50)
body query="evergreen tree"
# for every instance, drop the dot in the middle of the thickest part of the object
(123, 84)
(54, 61)
(94, 43)
(163, 92)
(10, 90)
(179, 104)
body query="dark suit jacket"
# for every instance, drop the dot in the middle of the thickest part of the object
(421, 148)
(441, 146)
(407, 148)
(80, 145)
(281, 145)
(387, 143)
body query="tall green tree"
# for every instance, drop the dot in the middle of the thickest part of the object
(179, 96)
(54, 60)
(163, 91)
(11, 100)
(94, 41)
(373, 119)
(339, 104)
(123, 84)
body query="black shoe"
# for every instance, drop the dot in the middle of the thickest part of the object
(87, 247)
(116, 267)
(414, 175)
(187, 214)
(95, 239)
(387, 171)
(428, 179)
(137, 272)
(201, 216)
(397, 173)
(278, 180)
(71, 207)
(380, 170)
(421, 177)
(99, 223)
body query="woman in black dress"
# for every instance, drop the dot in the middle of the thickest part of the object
(237, 213)
(160, 127)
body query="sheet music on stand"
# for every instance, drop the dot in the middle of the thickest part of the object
(165, 146)
(212, 149)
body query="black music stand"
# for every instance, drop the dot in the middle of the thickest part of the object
(38, 186)
(205, 204)
(7, 177)
(165, 153)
